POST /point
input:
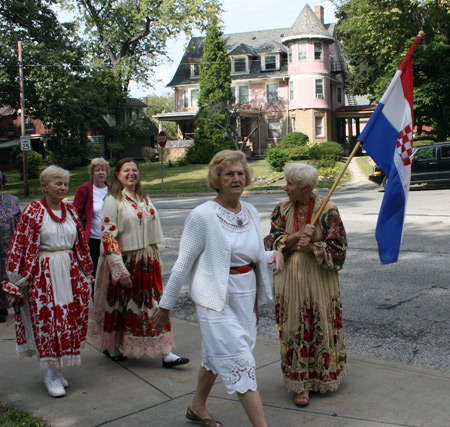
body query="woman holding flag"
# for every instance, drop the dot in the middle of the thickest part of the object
(308, 305)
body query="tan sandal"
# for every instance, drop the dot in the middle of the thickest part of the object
(207, 422)
(301, 399)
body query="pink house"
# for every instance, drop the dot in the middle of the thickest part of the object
(284, 80)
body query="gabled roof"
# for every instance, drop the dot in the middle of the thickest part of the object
(243, 49)
(308, 25)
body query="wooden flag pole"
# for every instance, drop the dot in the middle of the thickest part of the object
(319, 212)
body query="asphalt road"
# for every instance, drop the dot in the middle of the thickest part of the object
(397, 312)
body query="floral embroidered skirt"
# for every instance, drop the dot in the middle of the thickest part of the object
(122, 317)
(54, 318)
(229, 336)
(308, 313)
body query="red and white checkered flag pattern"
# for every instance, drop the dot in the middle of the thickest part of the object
(404, 145)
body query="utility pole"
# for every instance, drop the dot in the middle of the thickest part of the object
(26, 190)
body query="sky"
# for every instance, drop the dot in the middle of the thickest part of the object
(240, 16)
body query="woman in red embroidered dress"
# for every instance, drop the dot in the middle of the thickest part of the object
(49, 271)
(129, 284)
(308, 305)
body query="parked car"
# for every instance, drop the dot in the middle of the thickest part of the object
(429, 163)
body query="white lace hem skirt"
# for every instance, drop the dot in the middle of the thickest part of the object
(229, 336)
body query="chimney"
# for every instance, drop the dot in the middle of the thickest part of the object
(318, 10)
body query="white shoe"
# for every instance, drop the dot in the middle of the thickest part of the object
(64, 382)
(53, 383)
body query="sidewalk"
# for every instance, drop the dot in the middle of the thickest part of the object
(140, 392)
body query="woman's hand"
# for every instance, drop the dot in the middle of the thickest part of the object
(125, 280)
(13, 299)
(305, 240)
(278, 259)
(161, 319)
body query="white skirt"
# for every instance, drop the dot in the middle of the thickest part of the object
(229, 336)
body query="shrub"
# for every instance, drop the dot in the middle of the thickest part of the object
(183, 161)
(425, 137)
(323, 163)
(422, 142)
(149, 154)
(277, 158)
(299, 153)
(326, 150)
(292, 140)
(34, 162)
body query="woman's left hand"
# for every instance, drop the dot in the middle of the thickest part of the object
(278, 259)
(161, 319)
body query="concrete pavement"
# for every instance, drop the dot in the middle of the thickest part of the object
(140, 392)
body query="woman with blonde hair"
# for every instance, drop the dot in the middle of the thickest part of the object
(88, 203)
(129, 284)
(49, 271)
(222, 255)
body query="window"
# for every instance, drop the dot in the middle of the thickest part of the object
(318, 51)
(332, 67)
(319, 126)
(290, 53)
(185, 98)
(291, 90)
(195, 70)
(301, 50)
(339, 94)
(243, 97)
(29, 123)
(273, 129)
(272, 92)
(194, 97)
(240, 65)
(445, 151)
(428, 153)
(293, 126)
(319, 88)
(270, 62)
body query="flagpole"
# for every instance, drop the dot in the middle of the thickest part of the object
(352, 154)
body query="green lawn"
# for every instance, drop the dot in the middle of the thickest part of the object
(13, 417)
(184, 179)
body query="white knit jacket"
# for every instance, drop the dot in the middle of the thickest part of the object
(204, 257)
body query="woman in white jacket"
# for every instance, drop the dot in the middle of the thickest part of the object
(222, 256)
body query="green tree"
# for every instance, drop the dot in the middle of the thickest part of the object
(156, 105)
(215, 99)
(130, 36)
(376, 35)
(60, 90)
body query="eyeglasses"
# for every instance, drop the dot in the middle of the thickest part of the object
(230, 175)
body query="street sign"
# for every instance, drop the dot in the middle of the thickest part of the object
(25, 143)
(162, 139)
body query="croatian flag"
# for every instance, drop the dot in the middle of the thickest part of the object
(388, 138)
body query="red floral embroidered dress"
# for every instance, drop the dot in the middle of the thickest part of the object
(48, 263)
(122, 317)
(308, 305)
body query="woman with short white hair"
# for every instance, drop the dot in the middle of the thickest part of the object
(49, 271)
(307, 297)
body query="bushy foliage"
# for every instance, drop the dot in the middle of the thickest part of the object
(326, 150)
(70, 153)
(423, 142)
(299, 153)
(277, 158)
(34, 162)
(425, 137)
(293, 140)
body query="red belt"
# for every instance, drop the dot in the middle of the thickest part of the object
(241, 269)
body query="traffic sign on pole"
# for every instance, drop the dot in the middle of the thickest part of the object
(25, 143)
(162, 139)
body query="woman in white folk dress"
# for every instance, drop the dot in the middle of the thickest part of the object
(223, 254)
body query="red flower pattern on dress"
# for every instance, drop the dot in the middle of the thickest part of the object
(58, 331)
(107, 220)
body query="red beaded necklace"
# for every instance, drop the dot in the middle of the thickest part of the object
(50, 212)
(308, 215)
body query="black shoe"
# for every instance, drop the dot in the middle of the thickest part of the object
(118, 358)
(180, 361)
